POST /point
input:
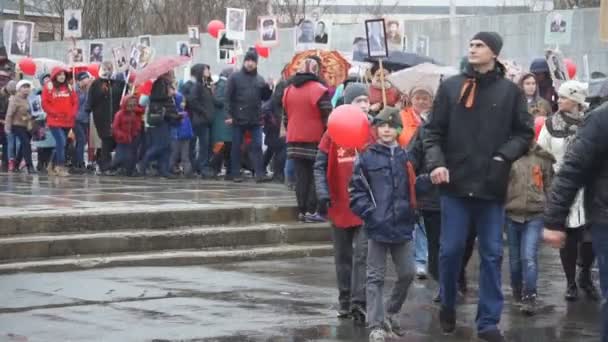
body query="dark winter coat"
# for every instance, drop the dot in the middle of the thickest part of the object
(426, 200)
(245, 93)
(466, 141)
(584, 166)
(220, 130)
(199, 98)
(104, 101)
(379, 193)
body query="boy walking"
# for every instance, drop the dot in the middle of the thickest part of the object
(382, 193)
(333, 170)
(529, 185)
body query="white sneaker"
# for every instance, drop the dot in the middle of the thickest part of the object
(421, 272)
(377, 335)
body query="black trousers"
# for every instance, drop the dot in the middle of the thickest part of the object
(305, 185)
(44, 157)
(105, 158)
(574, 245)
(432, 224)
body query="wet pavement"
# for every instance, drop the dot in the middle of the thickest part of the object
(289, 300)
(21, 194)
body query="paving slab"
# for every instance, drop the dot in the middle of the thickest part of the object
(285, 300)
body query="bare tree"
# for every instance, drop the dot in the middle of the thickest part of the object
(292, 12)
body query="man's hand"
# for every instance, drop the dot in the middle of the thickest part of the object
(228, 121)
(375, 107)
(440, 175)
(554, 238)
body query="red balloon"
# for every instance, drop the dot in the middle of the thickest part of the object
(93, 69)
(145, 88)
(539, 122)
(27, 66)
(571, 67)
(348, 127)
(214, 27)
(263, 51)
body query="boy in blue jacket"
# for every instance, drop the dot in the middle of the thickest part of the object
(383, 194)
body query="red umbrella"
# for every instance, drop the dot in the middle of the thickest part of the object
(158, 67)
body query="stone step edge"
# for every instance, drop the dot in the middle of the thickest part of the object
(172, 258)
(29, 238)
(155, 218)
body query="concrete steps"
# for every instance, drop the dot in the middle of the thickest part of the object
(171, 258)
(136, 241)
(60, 242)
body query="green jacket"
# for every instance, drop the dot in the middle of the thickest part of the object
(220, 131)
(529, 183)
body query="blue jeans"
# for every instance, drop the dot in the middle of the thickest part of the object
(24, 138)
(238, 132)
(203, 134)
(457, 216)
(61, 135)
(524, 240)
(81, 130)
(12, 145)
(158, 147)
(125, 157)
(599, 233)
(290, 172)
(421, 251)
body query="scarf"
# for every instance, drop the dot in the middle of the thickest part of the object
(564, 124)
(468, 92)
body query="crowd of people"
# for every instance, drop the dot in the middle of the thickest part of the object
(443, 168)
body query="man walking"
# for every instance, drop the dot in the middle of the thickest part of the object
(245, 92)
(584, 165)
(478, 128)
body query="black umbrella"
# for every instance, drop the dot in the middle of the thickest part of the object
(398, 60)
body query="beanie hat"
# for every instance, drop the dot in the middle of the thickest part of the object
(43, 76)
(82, 76)
(23, 83)
(251, 55)
(310, 66)
(354, 90)
(417, 89)
(389, 115)
(492, 39)
(575, 91)
(539, 66)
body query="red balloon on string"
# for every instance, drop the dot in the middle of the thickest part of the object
(539, 122)
(263, 51)
(571, 67)
(348, 127)
(27, 66)
(214, 27)
(93, 69)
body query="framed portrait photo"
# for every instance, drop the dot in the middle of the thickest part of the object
(375, 31)
(236, 19)
(96, 52)
(194, 36)
(72, 23)
(268, 31)
(323, 34)
(20, 38)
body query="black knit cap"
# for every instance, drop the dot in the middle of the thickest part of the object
(251, 55)
(492, 39)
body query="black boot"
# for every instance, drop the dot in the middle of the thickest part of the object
(447, 320)
(586, 284)
(529, 305)
(517, 294)
(359, 315)
(571, 293)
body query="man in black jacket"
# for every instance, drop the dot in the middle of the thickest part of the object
(201, 106)
(479, 126)
(245, 92)
(104, 101)
(585, 165)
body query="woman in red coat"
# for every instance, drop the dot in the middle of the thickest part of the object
(60, 102)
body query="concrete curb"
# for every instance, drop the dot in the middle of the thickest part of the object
(176, 258)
